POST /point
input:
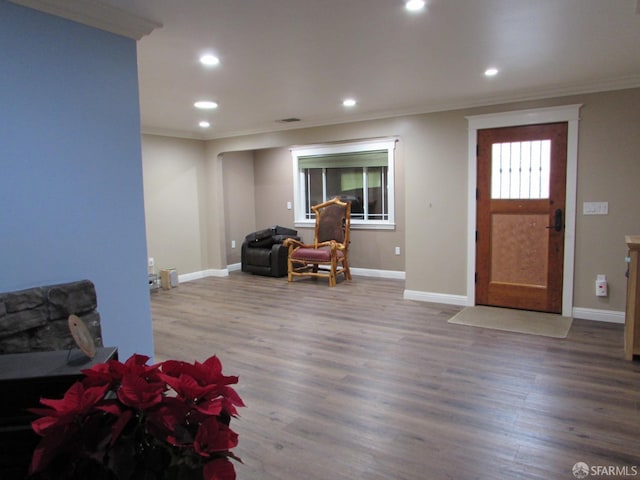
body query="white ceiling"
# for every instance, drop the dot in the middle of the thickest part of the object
(301, 58)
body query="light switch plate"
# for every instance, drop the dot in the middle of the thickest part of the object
(595, 208)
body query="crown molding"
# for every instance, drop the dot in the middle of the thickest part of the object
(95, 14)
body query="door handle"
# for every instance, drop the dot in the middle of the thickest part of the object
(557, 220)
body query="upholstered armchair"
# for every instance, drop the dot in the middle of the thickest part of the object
(263, 252)
(328, 255)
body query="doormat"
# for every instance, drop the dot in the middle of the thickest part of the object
(510, 320)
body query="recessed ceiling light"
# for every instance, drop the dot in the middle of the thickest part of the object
(491, 72)
(206, 105)
(209, 60)
(349, 102)
(204, 124)
(414, 5)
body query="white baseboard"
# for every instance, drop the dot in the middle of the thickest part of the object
(364, 272)
(609, 316)
(460, 300)
(598, 315)
(188, 277)
(370, 272)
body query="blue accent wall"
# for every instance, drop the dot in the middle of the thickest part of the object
(71, 198)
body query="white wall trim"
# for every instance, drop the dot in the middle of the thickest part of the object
(432, 297)
(597, 315)
(188, 277)
(96, 14)
(364, 272)
(299, 194)
(369, 272)
(565, 113)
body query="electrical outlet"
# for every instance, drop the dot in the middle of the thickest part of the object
(152, 262)
(601, 286)
(397, 250)
(233, 244)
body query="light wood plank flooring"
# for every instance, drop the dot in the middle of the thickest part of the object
(354, 382)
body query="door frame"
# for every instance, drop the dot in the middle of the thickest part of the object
(565, 113)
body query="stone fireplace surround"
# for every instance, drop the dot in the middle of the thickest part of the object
(36, 319)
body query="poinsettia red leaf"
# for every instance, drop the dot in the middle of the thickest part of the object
(41, 425)
(41, 411)
(56, 439)
(76, 402)
(213, 364)
(231, 395)
(99, 374)
(176, 368)
(136, 359)
(219, 469)
(117, 369)
(210, 407)
(137, 364)
(70, 399)
(112, 407)
(211, 372)
(188, 388)
(165, 421)
(180, 383)
(214, 436)
(137, 393)
(93, 395)
(42, 456)
(38, 459)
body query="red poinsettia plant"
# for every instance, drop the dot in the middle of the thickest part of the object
(131, 420)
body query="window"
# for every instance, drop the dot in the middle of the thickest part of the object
(361, 173)
(520, 170)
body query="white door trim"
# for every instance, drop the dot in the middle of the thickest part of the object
(566, 113)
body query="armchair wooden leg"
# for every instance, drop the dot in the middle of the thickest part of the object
(332, 272)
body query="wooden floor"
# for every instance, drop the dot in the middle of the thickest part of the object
(354, 382)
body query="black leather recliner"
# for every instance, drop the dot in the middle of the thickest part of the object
(263, 253)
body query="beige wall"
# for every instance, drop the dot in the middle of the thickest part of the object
(239, 201)
(608, 170)
(431, 193)
(174, 198)
(273, 187)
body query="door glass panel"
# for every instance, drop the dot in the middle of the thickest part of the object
(518, 243)
(520, 170)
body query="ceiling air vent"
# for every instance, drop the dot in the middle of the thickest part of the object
(289, 120)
